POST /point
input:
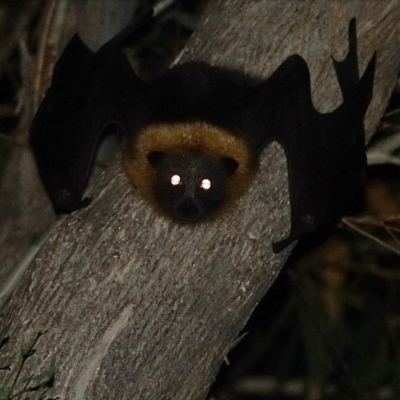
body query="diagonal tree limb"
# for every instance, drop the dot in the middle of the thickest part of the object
(136, 307)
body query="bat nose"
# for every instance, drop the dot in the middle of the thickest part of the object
(188, 209)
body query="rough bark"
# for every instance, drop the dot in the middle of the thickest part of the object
(137, 307)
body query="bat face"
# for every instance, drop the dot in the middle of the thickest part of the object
(187, 170)
(190, 185)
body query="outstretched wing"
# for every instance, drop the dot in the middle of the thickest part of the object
(325, 152)
(80, 104)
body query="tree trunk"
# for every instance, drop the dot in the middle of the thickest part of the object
(134, 306)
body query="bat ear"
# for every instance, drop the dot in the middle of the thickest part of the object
(231, 164)
(155, 158)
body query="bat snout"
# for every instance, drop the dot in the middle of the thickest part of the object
(188, 210)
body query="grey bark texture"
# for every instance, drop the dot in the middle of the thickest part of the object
(134, 306)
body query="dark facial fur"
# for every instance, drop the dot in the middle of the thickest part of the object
(191, 184)
(189, 171)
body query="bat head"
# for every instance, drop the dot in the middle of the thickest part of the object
(188, 171)
(190, 184)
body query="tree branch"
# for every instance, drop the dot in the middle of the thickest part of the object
(137, 307)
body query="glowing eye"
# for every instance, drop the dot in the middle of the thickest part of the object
(175, 180)
(205, 184)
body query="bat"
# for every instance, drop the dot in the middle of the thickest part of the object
(191, 138)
